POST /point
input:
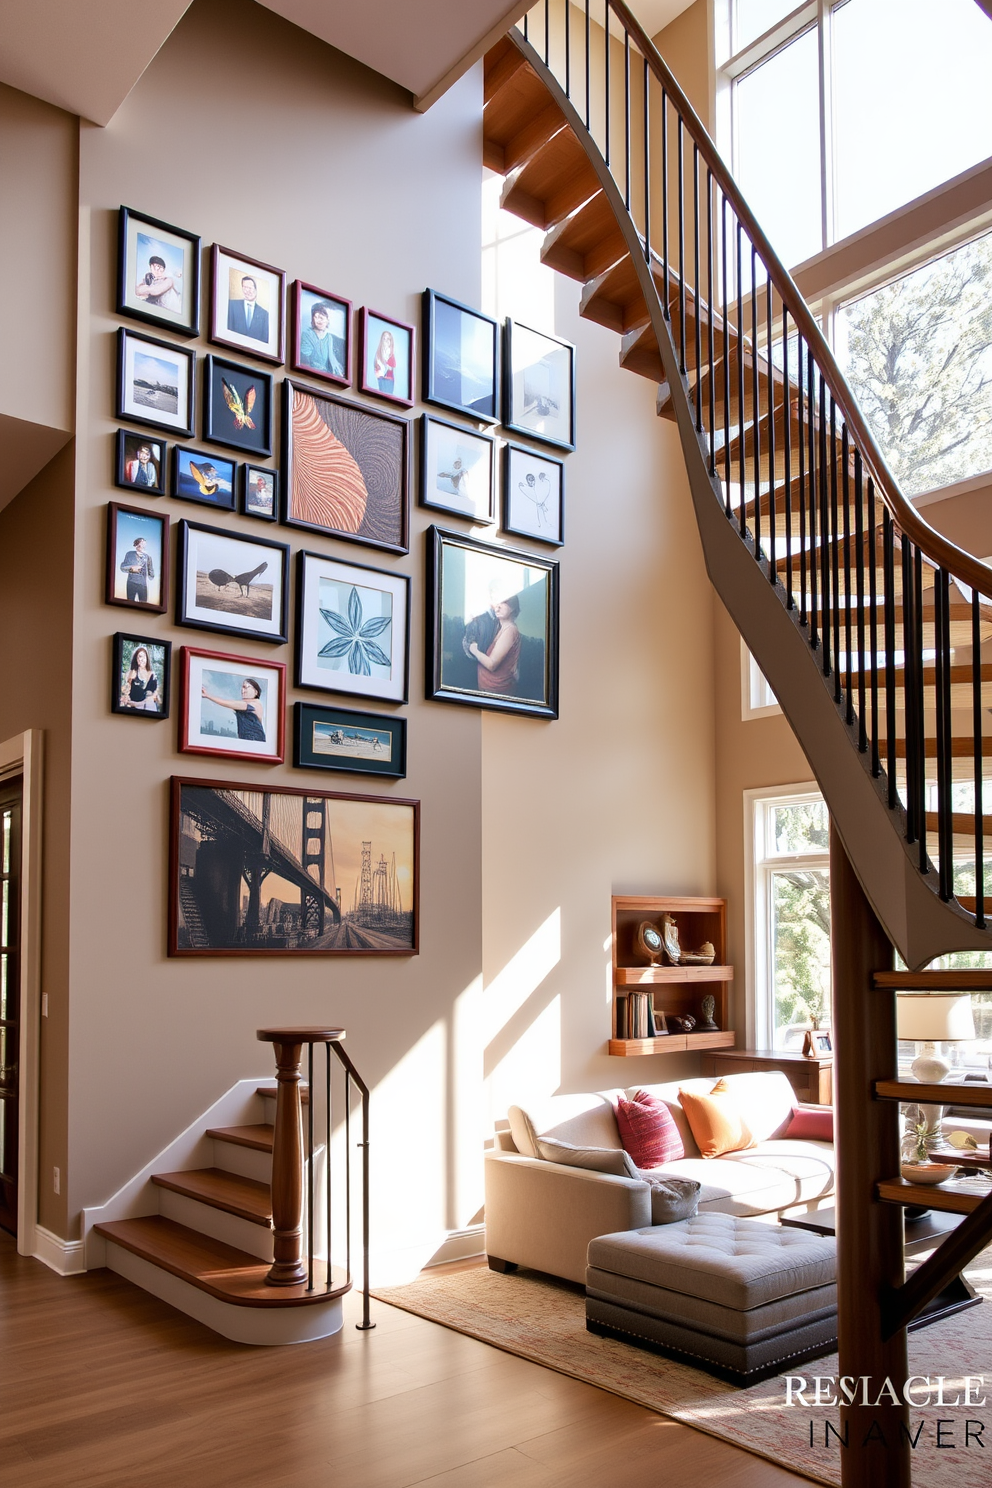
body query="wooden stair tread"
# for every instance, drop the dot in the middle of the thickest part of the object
(930, 1195)
(269, 1092)
(963, 979)
(222, 1270)
(245, 1197)
(911, 1091)
(259, 1137)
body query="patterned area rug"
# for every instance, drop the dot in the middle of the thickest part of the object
(544, 1321)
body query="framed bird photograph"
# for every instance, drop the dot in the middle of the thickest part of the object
(197, 476)
(238, 407)
(234, 584)
(353, 629)
(231, 705)
(533, 495)
(246, 305)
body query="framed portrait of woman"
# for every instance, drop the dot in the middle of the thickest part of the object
(386, 358)
(233, 706)
(139, 683)
(158, 273)
(321, 340)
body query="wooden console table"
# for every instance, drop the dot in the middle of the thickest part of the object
(811, 1076)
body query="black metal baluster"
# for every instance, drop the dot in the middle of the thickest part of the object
(647, 163)
(347, 1171)
(889, 597)
(327, 1156)
(588, 79)
(697, 339)
(666, 307)
(547, 33)
(727, 475)
(876, 767)
(711, 312)
(845, 460)
(978, 745)
(790, 599)
(772, 507)
(606, 30)
(942, 678)
(919, 697)
(815, 477)
(755, 404)
(742, 514)
(626, 114)
(909, 685)
(681, 190)
(568, 52)
(859, 544)
(834, 549)
(801, 432)
(825, 533)
(310, 1167)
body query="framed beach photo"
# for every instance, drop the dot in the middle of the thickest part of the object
(457, 470)
(533, 495)
(137, 558)
(353, 628)
(246, 304)
(321, 344)
(461, 358)
(139, 683)
(158, 273)
(386, 358)
(539, 396)
(492, 617)
(346, 468)
(231, 705)
(197, 476)
(260, 492)
(139, 463)
(237, 406)
(341, 739)
(155, 382)
(230, 583)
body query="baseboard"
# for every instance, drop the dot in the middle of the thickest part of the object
(63, 1256)
(460, 1245)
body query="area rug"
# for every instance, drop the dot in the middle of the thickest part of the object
(544, 1321)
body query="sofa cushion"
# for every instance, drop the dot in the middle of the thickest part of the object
(771, 1176)
(585, 1120)
(808, 1124)
(647, 1130)
(717, 1122)
(599, 1159)
(673, 1199)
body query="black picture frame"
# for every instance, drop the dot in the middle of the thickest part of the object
(249, 504)
(126, 446)
(306, 298)
(159, 655)
(124, 524)
(227, 394)
(213, 547)
(323, 579)
(191, 479)
(446, 378)
(130, 346)
(443, 443)
(533, 495)
(538, 390)
(480, 571)
(168, 242)
(340, 754)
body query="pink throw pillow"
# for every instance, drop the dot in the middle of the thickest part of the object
(648, 1131)
(812, 1126)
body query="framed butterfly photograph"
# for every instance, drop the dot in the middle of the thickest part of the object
(238, 406)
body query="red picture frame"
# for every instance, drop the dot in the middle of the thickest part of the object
(305, 298)
(372, 327)
(198, 723)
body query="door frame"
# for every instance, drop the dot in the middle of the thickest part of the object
(22, 755)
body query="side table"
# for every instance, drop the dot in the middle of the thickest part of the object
(811, 1076)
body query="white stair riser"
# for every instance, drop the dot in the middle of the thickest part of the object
(245, 1161)
(216, 1223)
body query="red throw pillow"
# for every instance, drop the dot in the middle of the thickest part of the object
(648, 1131)
(812, 1126)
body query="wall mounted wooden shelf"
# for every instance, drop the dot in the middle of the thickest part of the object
(674, 990)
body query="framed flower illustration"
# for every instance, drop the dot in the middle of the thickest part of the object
(353, 629)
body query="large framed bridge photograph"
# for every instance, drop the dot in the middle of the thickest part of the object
(255, 872)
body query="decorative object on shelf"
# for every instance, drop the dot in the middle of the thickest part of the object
(353, 628)
(685, 1022)
(539, 392)
(137, 558)
(386, 357)
(231, 583)
(707, 1008)
(233, 706)
(492, 617)
(670, 939)
(927, 1172)
(321, 344)
(158, 273)
(140, 679)
(209, 479)
(246, 304)
(457, 470)
(533, 495)
(696, 998)
(816, 1043)
(649, 942)
(933, 1018)
(140, 463)
(289, 872)
(155, 382)
(705, 956)
(260, 492)
(461, 358)
(237, 406)
(346, 468)
(341, 739)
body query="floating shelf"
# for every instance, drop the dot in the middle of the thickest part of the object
(673, 990)
(674, 1043)
(979, 1096)
(973, 980)
(951, 1200)
(644, 976)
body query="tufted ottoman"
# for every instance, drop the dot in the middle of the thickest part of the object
(736, 1297)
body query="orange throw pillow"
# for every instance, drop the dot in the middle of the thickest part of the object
(716, 1122)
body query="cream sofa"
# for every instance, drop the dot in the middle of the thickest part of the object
(543, 1214)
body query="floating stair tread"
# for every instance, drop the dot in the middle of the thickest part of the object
(245, 1197)
(259, 1138)
(933, 1195)
(269, 1092)
(965, 979)
(979, 1096)
(222, 1270)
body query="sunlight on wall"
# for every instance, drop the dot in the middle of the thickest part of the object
(532, 1067)
(514, 280)
(469, 1127)
(510, 989)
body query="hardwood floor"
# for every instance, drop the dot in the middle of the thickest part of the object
(103, 1386)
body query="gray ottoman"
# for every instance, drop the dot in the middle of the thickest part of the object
(735, 1297)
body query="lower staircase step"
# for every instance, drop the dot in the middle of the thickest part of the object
(258, 1138)
(246, 1197)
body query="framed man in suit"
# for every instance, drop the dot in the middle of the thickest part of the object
(246, 316)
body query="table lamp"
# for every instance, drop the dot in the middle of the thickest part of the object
(933, 1018)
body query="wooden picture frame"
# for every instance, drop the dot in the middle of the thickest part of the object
(237, 406)
(342, 739)
(244, 717)
(461, 358)
(209, 480)
(259, 492)
(352, 629)
(457, 470)
(231, 305)
(126, 681)
(533, 495)
(156, 382)
(158, 273)
(308, 354)
(539, 385)
(817, 1043)
(125, 581)
(396, 361)
(131, 473)
(232, 583)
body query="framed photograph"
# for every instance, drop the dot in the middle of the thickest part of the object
(817, 1043)
(346, 468)
(197, 476)
(158, 273)
(492, 626)
(137, 558)
(353, 629)
(340, 739)
(238, 585)
(260, 492)
(387, 358)
(291, 872)
(457, 470)
(539, 396)
(232, 705)
(246, 304)
(533, 495)
(461, 358)
(155, 382)
(139, 682)
(321, 345)
(237, 407)
(140, 463)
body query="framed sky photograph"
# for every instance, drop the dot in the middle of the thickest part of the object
(386, 358)
(139, 684)
(340, 872)
(461, 358)
(231, 705)
(197, 476)
(457, 470)
(492, 618)
(533, 495)
(230, 583)
(260, 492)
(137, 558)
(237, 406)
(158, 273)
(539, 396)
(341, 739)
(246, 304)
(139, 463)
(155, 382)
(346, 468)
(353, 629)
(321, 344)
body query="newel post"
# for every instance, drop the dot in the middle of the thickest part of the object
(288, 1267)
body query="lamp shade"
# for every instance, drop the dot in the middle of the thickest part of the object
(935, 1018)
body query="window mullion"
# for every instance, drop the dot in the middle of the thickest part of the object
(826, 124)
